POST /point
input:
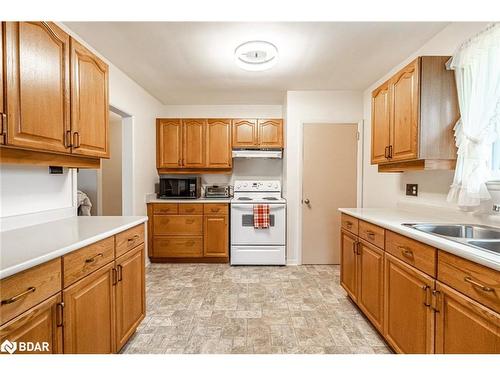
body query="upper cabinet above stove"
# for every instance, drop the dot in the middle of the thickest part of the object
(413, 115)
(258, 133)
(55, 104)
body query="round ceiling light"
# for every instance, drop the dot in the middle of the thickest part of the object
(256, 55)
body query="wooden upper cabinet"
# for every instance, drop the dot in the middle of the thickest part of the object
(380, 124)
(404, 116)
(245, 133)
(37, 86)
(193, 143)
(168, 143)
(89, 102)
(464, 326)
(218, 143)
(413, 115)
(270, 133)
(408, 317)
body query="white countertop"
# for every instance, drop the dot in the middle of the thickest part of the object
(393, 219)
(27, 247)
(197, 200)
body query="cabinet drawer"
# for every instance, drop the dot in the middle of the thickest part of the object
(129, 239)
(215, 209)
(178, 225)
(417, 254)
(24, 290)
(349, 223)
(83, 262)
(191, 209)
(165, 208)
(178, 247)
(475, 281)
(372, 233)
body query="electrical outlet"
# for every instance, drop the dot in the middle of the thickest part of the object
(55, 170)
(412, 190)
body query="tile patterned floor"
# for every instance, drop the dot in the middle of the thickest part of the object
(214, 308)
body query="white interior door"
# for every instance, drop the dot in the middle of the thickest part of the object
(329, 181)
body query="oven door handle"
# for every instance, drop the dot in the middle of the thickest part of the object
(249, 206)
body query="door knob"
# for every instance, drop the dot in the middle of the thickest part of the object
(307, 201)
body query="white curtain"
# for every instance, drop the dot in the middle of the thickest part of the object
(477, 73)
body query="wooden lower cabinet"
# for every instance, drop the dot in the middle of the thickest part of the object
(89, 313)
(409, 319)
(130, 294)
(370, 266)
(348, 264)
(41, 324)
(215, 241)
(464, 326)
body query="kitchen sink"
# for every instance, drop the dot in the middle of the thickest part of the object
(480, 236)
(493, 246)
(460, 230)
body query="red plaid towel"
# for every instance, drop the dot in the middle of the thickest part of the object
(260, 216)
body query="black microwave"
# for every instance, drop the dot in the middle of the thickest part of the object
(180, 188)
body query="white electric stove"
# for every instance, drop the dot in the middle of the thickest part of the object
(251, 246)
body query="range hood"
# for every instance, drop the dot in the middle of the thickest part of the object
(258, 153)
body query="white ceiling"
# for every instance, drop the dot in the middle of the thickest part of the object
(192, 62)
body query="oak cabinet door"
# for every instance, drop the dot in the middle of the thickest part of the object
(218, 143)
(380, 124)
(348, 264)
(464, 326)
(37, 86)
(408, 317)
(168, 143)
(371, 283)
(270, 133)
(404, 112)
(215, 231)
(89, 102)
(130, 294)
(193, 143)
(245, 133)
(40, 324)
(89, 314)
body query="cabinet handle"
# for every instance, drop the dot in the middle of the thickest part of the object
(59, 314)
(390, 151)
(179, 162)
(354, 245)
(120, 273)
(76, 140)
(113, 276)
(348, 224)
(189, 221)
(215, 209)
(484, 288)
(407, 253)
(370, 234)
(426, 290)
(67, 139)
(189, 243)
(94, 258)
(10, 300)
(189, 209)
(136, 236)
(386, 152)
(434, 303)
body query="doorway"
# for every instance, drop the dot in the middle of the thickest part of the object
(110, 187)
(329, 181)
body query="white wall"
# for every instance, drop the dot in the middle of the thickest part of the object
(309, 107)
(387, 190)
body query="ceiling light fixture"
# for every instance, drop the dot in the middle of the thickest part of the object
(256, 55)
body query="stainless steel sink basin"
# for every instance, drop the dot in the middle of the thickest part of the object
(466, 231)
(480, 236)
(493, 246)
